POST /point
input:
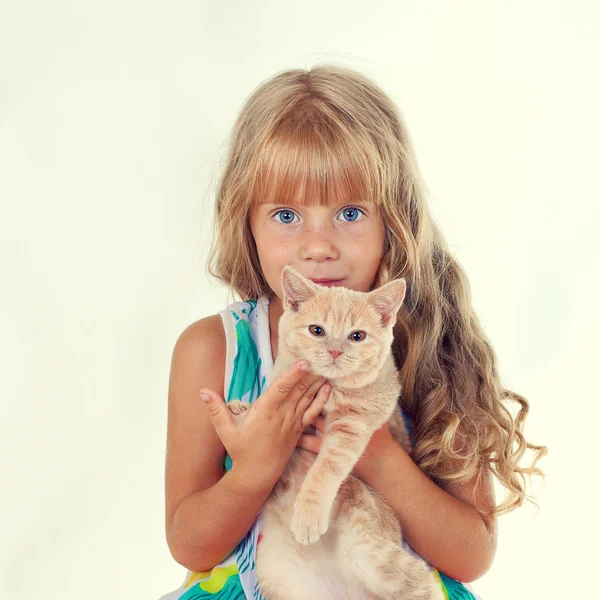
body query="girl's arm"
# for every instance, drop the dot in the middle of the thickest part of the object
(207, 513)
(209, 524)
(444, 528)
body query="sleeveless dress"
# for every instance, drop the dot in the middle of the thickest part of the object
(249, 362)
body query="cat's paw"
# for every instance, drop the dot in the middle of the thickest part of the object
(310, 521)
(237, 407)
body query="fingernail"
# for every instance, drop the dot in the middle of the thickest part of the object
(327, 388)
(205, 397)
(304, 366)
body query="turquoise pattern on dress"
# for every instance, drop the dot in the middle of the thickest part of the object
(455, 589)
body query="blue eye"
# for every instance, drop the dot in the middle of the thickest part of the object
(287, 216)
(352, 214)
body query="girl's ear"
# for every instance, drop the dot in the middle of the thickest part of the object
(388, 299)
(296, 289)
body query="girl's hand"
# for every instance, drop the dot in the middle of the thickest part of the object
(261, 443)
(375, 448)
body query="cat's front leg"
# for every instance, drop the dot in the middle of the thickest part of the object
(237, 407)
(310, 519)
(343, 444)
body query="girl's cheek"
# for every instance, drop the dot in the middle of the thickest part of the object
(281, 246)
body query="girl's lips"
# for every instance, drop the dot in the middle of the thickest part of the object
(328, 282)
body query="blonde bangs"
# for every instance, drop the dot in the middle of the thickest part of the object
(310, 160)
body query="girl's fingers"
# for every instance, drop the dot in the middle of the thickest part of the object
(316, 406)
(310, 393)
(319, 423)
(310, 442)
(306, 395)
(305, 390)
(282, 386)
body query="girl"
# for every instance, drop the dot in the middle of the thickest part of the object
(321, 175)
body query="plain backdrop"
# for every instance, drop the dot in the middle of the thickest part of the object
(114, 119)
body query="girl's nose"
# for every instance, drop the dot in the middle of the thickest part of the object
(319, 246)
(335, 353)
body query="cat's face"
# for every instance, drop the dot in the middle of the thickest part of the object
(344, 334)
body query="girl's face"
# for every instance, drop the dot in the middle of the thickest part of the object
(342, 243)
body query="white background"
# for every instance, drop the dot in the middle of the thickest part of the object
(113, 123)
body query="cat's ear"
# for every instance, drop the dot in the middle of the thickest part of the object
(388, 299)
(296, 289)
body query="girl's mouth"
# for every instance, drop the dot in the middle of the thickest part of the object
(328, 282)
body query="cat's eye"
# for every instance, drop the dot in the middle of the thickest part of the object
(357, 336)
(316, 330)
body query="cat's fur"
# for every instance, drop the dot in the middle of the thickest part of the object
(326, 534)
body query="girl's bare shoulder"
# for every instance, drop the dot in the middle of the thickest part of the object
(204, 335)
(199, 354)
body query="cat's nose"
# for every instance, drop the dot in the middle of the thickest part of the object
(335, 353)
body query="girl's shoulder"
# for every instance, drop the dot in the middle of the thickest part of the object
(206, 328)
(203, 343)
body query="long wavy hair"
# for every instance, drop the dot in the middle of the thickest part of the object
(333, 134)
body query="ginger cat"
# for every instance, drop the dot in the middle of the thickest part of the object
(326, 534)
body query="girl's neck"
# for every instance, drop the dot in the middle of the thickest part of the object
(275, 312)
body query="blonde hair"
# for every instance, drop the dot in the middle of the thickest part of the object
(331, 133)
